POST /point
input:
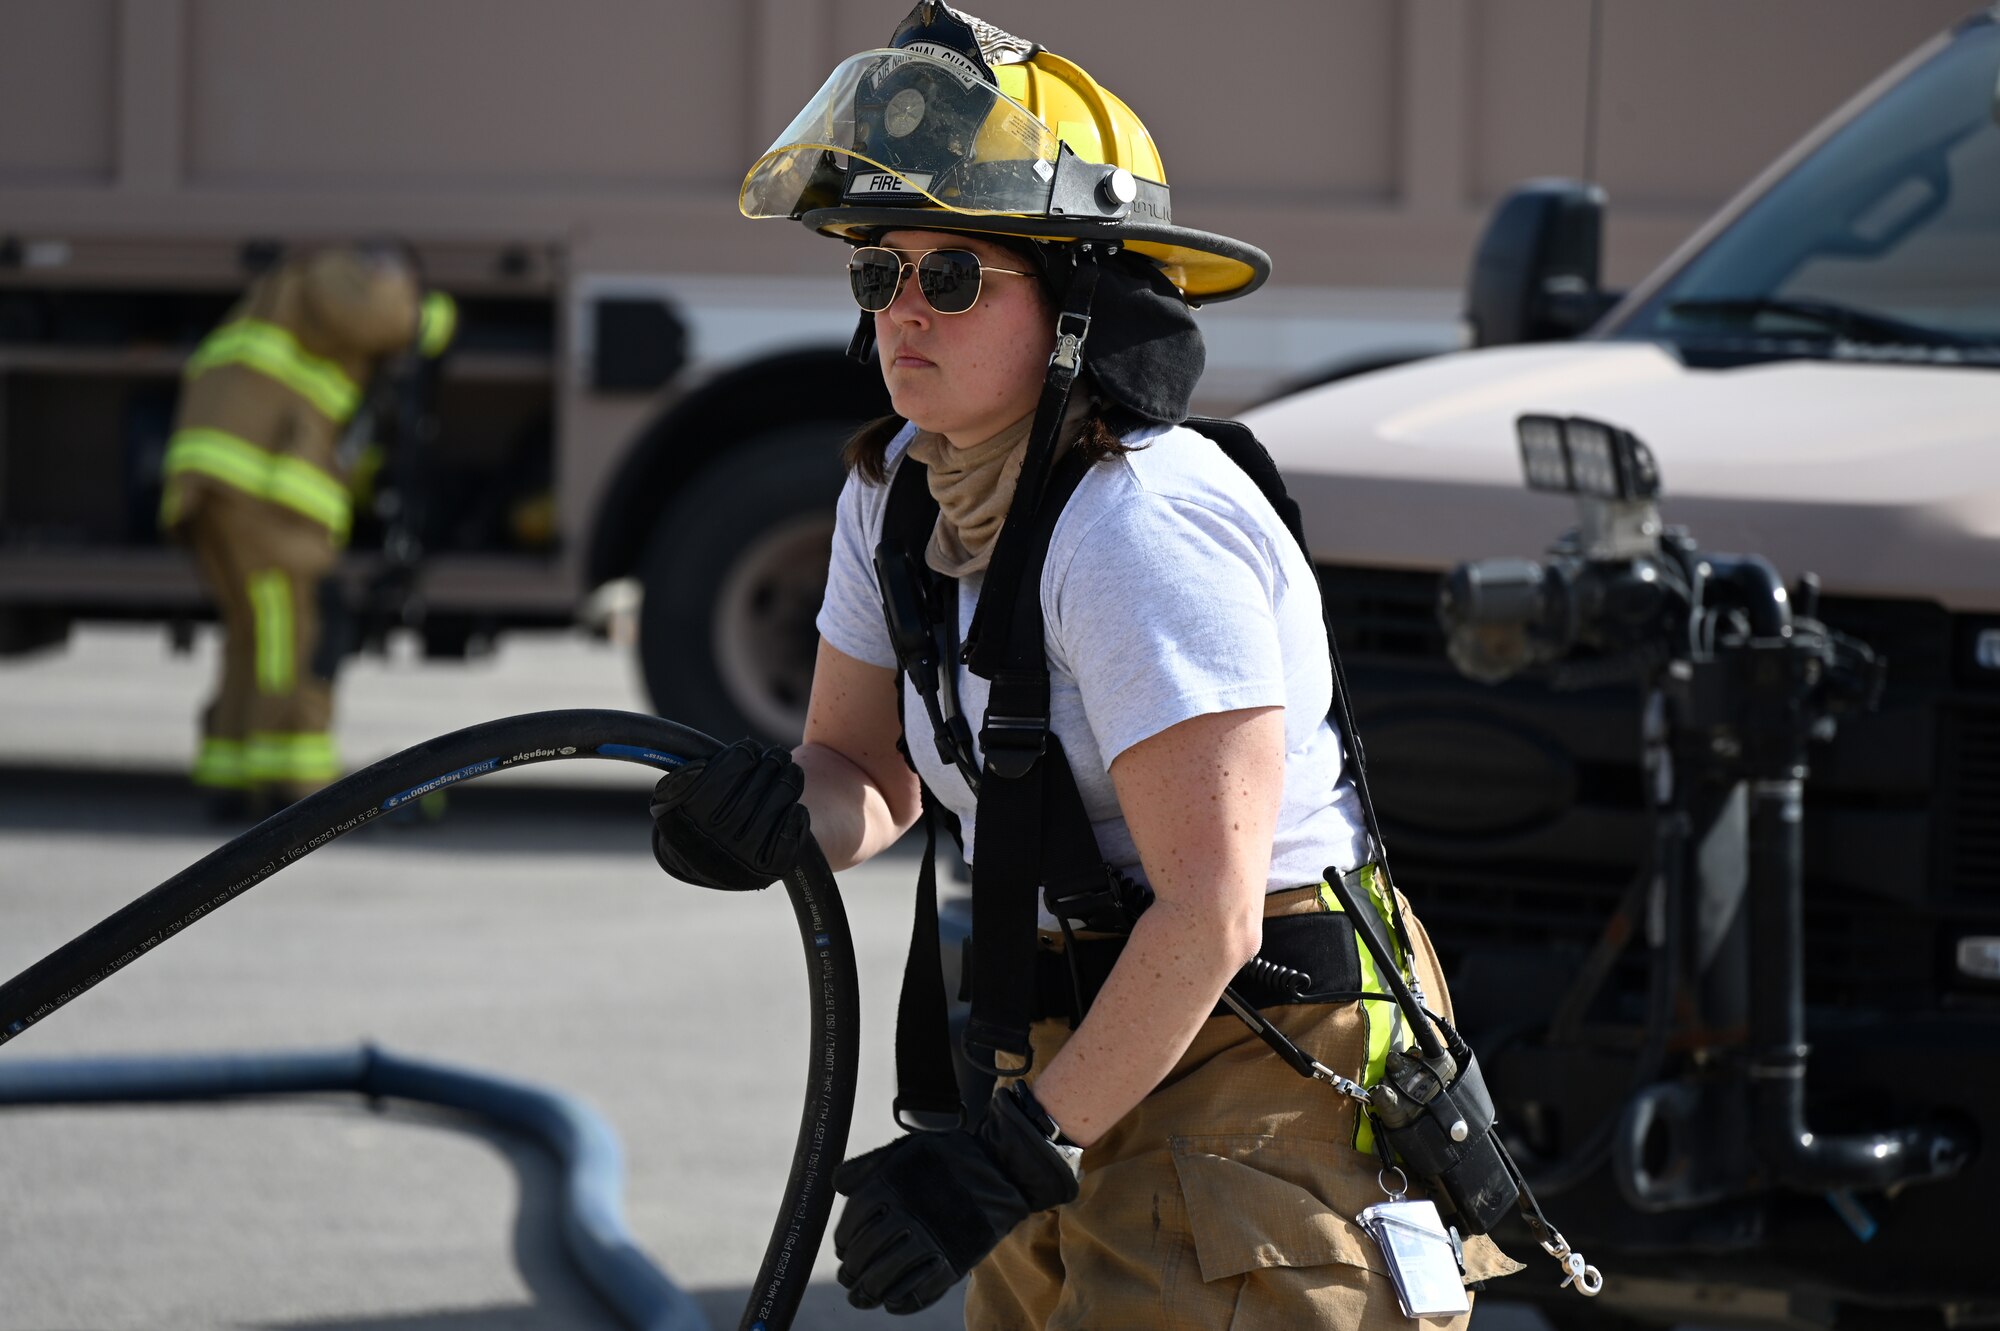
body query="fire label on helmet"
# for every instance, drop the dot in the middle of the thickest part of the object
(879, 184)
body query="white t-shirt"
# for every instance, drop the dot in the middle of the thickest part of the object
(1171, 591)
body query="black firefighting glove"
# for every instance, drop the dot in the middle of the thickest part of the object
(923, 1210)
(732, 822)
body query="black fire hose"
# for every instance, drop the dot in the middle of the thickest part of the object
(518, 741)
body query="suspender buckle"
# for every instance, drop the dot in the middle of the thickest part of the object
(1109, 906)
(1016, 732)
(984, 1041)
(1093, 908)
(1013, 744)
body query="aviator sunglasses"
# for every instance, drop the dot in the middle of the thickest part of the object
(948, 279)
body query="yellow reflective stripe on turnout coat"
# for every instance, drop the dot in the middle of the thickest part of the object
(275, 353)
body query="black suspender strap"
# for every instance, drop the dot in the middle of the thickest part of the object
(1030, 828)
(921, 610)
(1043, 795)
(1005, 648)
(927, 1097)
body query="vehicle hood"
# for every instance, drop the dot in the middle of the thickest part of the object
(1883, 479)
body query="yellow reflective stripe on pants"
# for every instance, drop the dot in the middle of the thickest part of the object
(220, 763)
(274, 477)
(305, 758)
(271, 614)
(275, 353)
(1384, 1017)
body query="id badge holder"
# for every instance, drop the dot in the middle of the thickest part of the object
(1419, 1254)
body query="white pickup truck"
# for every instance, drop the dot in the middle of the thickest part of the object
(1817, 372)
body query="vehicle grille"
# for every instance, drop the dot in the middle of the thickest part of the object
(1903, 810)
(1387, 613)
(1968, 818)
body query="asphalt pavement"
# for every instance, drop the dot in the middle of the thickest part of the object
(527, 934)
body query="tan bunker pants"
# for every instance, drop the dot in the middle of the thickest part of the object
(1226, 1199)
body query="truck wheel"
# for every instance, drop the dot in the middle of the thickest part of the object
(734, 573)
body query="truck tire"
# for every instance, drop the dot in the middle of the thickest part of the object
(733, 575)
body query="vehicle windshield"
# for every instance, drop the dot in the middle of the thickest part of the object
(1883, 244)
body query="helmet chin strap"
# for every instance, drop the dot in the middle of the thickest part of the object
(985, 652)
(1065, 365)
(861, 347)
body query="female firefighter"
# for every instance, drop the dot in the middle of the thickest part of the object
(1154, 792)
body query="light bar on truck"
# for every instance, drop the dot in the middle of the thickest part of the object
(1579, 456)
(1979, 958)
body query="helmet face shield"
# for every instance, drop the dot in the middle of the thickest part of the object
(901, 127)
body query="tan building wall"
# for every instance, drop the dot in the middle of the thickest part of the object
(1361, 141)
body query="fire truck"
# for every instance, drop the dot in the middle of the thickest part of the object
(647, 393)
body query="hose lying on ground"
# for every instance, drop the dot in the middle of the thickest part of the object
(592, 1195)
(228, 872)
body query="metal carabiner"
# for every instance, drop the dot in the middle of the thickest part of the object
(1347, 1086)
(1589, 1281)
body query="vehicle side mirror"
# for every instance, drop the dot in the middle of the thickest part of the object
(1535, 274)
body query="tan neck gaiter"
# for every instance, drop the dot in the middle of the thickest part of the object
(974, 487)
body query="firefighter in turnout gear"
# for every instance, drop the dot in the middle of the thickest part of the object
(254, 484)
(1101, 646)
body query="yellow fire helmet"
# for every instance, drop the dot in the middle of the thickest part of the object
(1009, 139)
